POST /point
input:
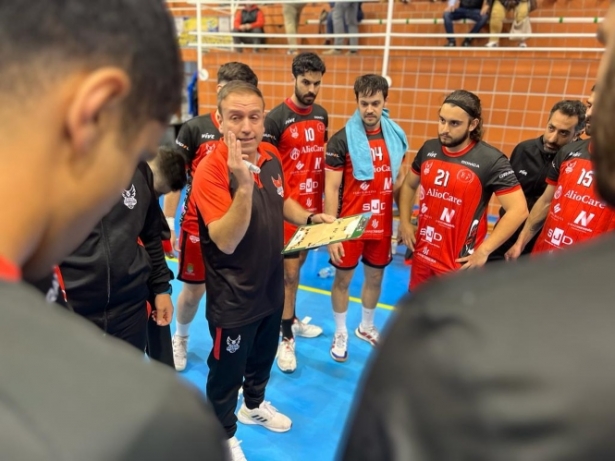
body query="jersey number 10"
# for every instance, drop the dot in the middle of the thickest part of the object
(309, 134)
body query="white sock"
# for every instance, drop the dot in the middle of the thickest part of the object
(340, 322)
(367, 318)
(182, 329)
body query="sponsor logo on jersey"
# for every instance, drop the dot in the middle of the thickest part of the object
(129, 197)
(364, 185)
(506, 173)
(586, 199)
(557, 208)
(465, 175)
(299, 165)
(427, 167)
(472, 164)
(432, 154)
(208, 136)
(430, 234)
(575, 154)
(294, 132)
(424, 209)
(309, 186)
(445, 196)
(558, 237)
(320, 127)
(558, 192)
(319, 117)
(570, 167)
(294, 154)
(375, 206)
(289, 121)
(523, 172)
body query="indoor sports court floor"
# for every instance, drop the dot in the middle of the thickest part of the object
(318, 395)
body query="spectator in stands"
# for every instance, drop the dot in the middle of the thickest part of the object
(249, 19)
(292, 13)
(329, 21)
(345, 21)
(499, 8)
(476, 10)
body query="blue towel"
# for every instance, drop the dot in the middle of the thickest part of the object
(358, 146)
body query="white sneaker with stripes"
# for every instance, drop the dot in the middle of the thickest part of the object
(265, 415)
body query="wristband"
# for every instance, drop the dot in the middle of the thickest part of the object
(309, 219)
(171, 223)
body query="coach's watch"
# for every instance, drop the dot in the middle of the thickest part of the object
(309, 219)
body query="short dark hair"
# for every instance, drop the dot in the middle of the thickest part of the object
(571, 108)
(370, 84)
(307, 62)
(236, 71)
(48, 39)
(238, 87)
(470, 103)
(172, 166)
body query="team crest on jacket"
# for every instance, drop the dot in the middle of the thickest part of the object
(129, 197)
(278, 185)
(233, 344)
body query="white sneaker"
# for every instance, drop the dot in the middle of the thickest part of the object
(371, 334)
(180, 352)
(339, 348)
(305, 330)
(287, 361)
(522, 45)
(492, 45)
(265, 415)
(235, 451)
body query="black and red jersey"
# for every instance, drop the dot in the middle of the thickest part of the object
(248, 284)
(197, 138)
(300, 136)
(577, 213)
(454, 193)
(356, 196)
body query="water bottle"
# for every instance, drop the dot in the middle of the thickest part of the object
(326, 272)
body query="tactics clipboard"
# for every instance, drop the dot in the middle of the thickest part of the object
(317, 235)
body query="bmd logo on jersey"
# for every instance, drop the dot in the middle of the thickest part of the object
(278, 185)
(129, 197)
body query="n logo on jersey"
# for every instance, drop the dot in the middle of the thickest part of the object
(584, 218)
(388, 183)
(447, 215)
(318, 163)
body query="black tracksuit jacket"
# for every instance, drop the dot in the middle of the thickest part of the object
(111, 271)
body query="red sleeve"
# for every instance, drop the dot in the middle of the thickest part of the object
(260, 21)
(237, 21)
(211, 188)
